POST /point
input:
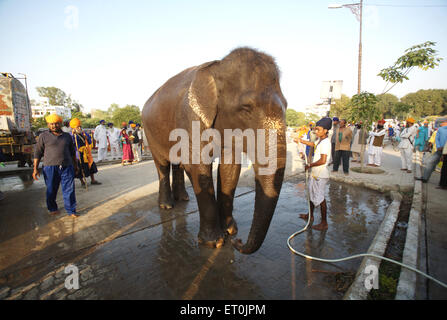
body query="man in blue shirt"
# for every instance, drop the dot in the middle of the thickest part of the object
(432, 162)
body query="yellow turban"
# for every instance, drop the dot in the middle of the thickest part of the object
(74, 123)
(133, 125)
(411, 120)
(53, 118)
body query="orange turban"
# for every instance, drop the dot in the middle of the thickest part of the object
(53, 118)
(74, 123)
(411, 120)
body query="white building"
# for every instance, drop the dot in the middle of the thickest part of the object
(321, 109)
(42, 107)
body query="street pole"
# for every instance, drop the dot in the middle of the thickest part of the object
(360, 49)
(357, 10)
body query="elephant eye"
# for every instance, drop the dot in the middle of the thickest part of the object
(246, 107)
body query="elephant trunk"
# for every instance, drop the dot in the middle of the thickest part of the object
(268, 188)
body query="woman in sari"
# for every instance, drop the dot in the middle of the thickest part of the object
(126, 144)
(83, 144)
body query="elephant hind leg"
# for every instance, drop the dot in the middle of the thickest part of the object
(165, 200)
(178, 183)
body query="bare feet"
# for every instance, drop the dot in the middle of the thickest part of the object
(321, 227)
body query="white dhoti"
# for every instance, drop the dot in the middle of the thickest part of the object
(115, 150)
(375, 155)
(102, 153)
(406, 156)
(317, 188)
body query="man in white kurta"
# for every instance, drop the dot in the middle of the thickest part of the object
(406, 145)
(114, 139)
(375, 147)
(100, 136)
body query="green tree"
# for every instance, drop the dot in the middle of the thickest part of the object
(341, 107)
(292, 117)
(125, 114)
(56, 96)
(386, 103)
(363, 107)
(422, 56)
(402, 110)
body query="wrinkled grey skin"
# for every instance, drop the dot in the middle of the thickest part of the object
(241, 91)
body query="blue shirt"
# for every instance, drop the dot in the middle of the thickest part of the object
(441, 137)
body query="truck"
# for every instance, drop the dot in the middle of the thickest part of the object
(16, 138)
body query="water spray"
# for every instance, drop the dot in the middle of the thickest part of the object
(371, 255)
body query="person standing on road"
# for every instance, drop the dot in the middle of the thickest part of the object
(59, 166)
(343, 138)
(406, 145)
(443, 180)
(114, 140)
(100, 136)
(319, 174)
(375, 147)
(420, 141)
(135, 142)
(83, 145)
(432, 162)
(126, 146)
(332, 137)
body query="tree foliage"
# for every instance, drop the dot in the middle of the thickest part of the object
(296, 119)
(341, 107)
(422, 56)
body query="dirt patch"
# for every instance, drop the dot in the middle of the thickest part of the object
(369, 170)
(389, 273)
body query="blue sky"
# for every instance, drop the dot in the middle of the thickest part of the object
(104, 52)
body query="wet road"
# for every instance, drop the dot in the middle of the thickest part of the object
(125, 247)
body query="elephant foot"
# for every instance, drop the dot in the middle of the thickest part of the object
(165, 199)
(166, 206)
(181, 195)
(231, 226)
(212, 242)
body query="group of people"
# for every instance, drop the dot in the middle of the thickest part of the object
(333, 138)
(346, 141)
(67, 155)
(125, 143)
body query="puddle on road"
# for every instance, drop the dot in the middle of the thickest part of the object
(20, 181)
(164, 261)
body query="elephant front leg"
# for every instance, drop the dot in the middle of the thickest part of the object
(227, 179)
(165, 200)
(210, 233)
(178, 183)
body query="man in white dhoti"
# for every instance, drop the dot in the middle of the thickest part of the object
(114, 139)
(375, 147)
(319, 175)
(100, 136)
(406, 145)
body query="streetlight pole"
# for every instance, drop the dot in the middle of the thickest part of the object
(357, 10)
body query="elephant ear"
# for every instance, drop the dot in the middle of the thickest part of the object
(202, 95)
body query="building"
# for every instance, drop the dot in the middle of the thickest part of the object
(320, 109)
(41, 107)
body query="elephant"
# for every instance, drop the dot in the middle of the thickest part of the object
(240, 91)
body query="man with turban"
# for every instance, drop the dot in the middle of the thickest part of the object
(375, 147)
(319, 174)
(100, 136)
(114, 139)
(406, 145)
(137, 137)
(83, 144)
(438, 146)
(59, 166)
